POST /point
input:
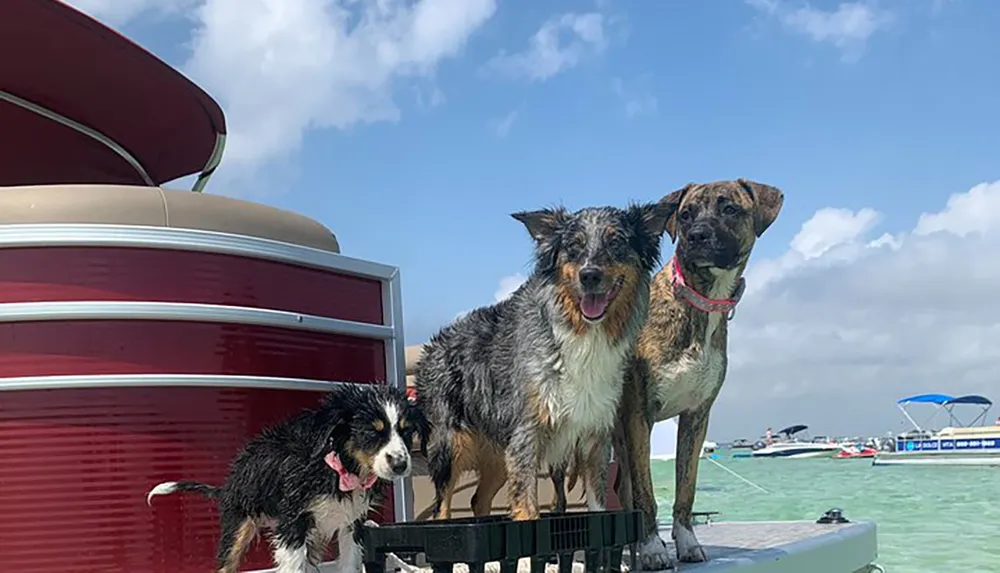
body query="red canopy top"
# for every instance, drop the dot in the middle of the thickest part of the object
(79, 103)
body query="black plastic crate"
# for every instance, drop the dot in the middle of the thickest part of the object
(602, 536)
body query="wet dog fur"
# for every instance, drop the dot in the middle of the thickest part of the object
(536, 378)
(681, 358)
(281, 482)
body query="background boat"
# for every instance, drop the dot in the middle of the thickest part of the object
(954, 445)
(855, 451)
(793, 448)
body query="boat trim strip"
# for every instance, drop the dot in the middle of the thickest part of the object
(211, 165)
(395, 370)
(195, 312)
(79, 128)
(165, 380)
(139, 236)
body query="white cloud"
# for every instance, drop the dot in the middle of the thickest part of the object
(117, 12)
(938, 6)
(505, 288)
(283, 67)
(508, 285)
(501, 127)
(848, 27)
(637, 100)
(560, 44)
(974, 212)
(830, 232)
(429, 98)
(829, 228)
(832, 332)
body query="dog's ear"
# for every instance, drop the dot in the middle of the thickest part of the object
(334, 433)
(543, 226)
(767, 201)
(647, 222)
(652, 217)
(334, 418)
(543, 223)
(670, 204)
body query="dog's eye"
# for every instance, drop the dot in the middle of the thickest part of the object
(685, 215)
(730, 210)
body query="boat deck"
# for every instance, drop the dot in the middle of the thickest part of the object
(757, 547)
(790, 546)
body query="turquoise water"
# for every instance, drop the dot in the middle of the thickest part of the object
(930, 519)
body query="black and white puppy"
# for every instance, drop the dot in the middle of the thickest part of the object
(312, 476)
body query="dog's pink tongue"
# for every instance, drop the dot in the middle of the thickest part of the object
(593, 305)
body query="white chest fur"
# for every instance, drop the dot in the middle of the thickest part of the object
(332, 515)
(582, 386)
(686, 383)
(689, 381)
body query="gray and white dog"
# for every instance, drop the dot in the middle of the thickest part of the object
(536, 379)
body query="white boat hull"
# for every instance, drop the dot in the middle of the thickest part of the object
(958, 447)
(795, 451)
(905, 459)
(804, 455)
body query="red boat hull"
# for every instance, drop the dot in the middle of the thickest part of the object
(865, 453)
(83, 460)
(79, 459)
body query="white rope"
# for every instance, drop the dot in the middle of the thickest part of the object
(738, 475)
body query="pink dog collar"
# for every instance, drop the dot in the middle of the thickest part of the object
(697, 300)
(348, 481)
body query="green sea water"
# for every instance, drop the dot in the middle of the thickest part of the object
(930, 519)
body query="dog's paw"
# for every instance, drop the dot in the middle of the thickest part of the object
(653, 554)
(688, 548)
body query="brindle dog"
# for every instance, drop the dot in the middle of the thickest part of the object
(680, 361)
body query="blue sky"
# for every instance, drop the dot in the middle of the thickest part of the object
(415, 133)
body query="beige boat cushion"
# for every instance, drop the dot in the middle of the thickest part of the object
(970, 431)
(412, 356)
(156, 207)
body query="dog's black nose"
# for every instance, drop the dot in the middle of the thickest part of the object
(699, 235)
(591, 277)
(398, 464)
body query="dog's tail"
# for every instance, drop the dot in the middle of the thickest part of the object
(169, 487)
(575, 469)
(571, 479)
